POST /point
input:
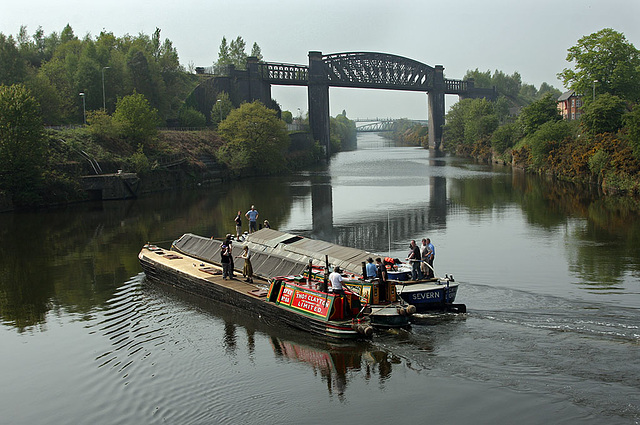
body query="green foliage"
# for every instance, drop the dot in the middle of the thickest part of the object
(221, 108)
(255, 139)
(12, 65)
(510, 86)
(342, 133)
(546, 137)
(608, 58)
(58, 67)
(598, 162)
(234, 53)
(256, 52)
(604, 115)
(137, 120)
(539, 112)
(191, 117)
(287, 117)
(469, 121)
(22, 144)
(139, 162)
(505, 137)
(102, 125)
(632, 122)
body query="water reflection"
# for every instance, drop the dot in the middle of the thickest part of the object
(73, 259)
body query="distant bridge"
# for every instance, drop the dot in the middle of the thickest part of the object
(355, 69)
(384, 124)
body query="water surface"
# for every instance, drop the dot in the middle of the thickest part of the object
(549, 274)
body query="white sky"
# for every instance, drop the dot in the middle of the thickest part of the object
(527, 36)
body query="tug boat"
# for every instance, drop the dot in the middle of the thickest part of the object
(277, 301)
(380, 300)
(437, 293)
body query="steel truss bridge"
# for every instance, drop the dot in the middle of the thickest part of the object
(369, 70)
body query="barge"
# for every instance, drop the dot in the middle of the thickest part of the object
(277, 302)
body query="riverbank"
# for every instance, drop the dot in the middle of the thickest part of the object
(175, 160)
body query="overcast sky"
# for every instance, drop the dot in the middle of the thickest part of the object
(527, 36)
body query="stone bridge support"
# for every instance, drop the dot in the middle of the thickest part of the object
(318, 98)
(436, 108)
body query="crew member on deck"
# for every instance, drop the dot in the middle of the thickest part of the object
(371, 269)
(382, 278)
(336, 281)
(415, 258)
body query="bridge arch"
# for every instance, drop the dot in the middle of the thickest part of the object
(371, 70)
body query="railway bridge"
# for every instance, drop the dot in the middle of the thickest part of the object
(369, 70)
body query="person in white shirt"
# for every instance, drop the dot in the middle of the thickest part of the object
(336, 281)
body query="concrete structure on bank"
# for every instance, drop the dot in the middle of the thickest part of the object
(356, 69)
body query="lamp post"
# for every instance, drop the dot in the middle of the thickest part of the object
(84, 109)
(594, 89)
(104, 103)
(220, 109)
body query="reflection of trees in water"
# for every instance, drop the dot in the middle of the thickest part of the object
(75, 257)
(603, 231)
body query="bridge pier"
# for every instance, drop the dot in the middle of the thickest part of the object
(436, 108)
(318, 98)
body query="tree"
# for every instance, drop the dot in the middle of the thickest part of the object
(136, 118)
(221, 108)
(224, 58)
(539, 112)
(609, 61)
(470, 120)
(22, 145)
(604, 115)
(254, 139)
(632, 122)
(546, 137)
(191, 117)
(287, 117)
(237, 53)
(12, 66)
(256, 52)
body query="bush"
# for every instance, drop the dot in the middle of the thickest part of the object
(546, 138)
(137, 120)
(254, 139)
(190, 117)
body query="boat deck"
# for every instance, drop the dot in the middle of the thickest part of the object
(203, 271)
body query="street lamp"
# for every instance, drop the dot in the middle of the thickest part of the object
(220, 109)
(594, 89)
(84, 109)
(104, 103)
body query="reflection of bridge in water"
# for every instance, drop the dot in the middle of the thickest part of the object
(396, 227)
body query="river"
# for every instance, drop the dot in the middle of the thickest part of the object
(550, 275)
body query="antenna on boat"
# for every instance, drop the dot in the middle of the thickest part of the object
(389, 231)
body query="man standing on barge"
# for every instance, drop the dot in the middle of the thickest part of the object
(252, 215)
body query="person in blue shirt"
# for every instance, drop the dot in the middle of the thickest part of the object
(371, 269)
(252, 215)
(431, 255)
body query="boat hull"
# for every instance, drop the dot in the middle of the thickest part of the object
(429, 296)
(189, 280)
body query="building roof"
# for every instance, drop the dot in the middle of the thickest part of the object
(566, 95)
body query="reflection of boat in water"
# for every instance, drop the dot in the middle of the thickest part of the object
(333, 362)
(302, 308)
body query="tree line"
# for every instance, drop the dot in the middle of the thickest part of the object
(602, 146)
(57, 67)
